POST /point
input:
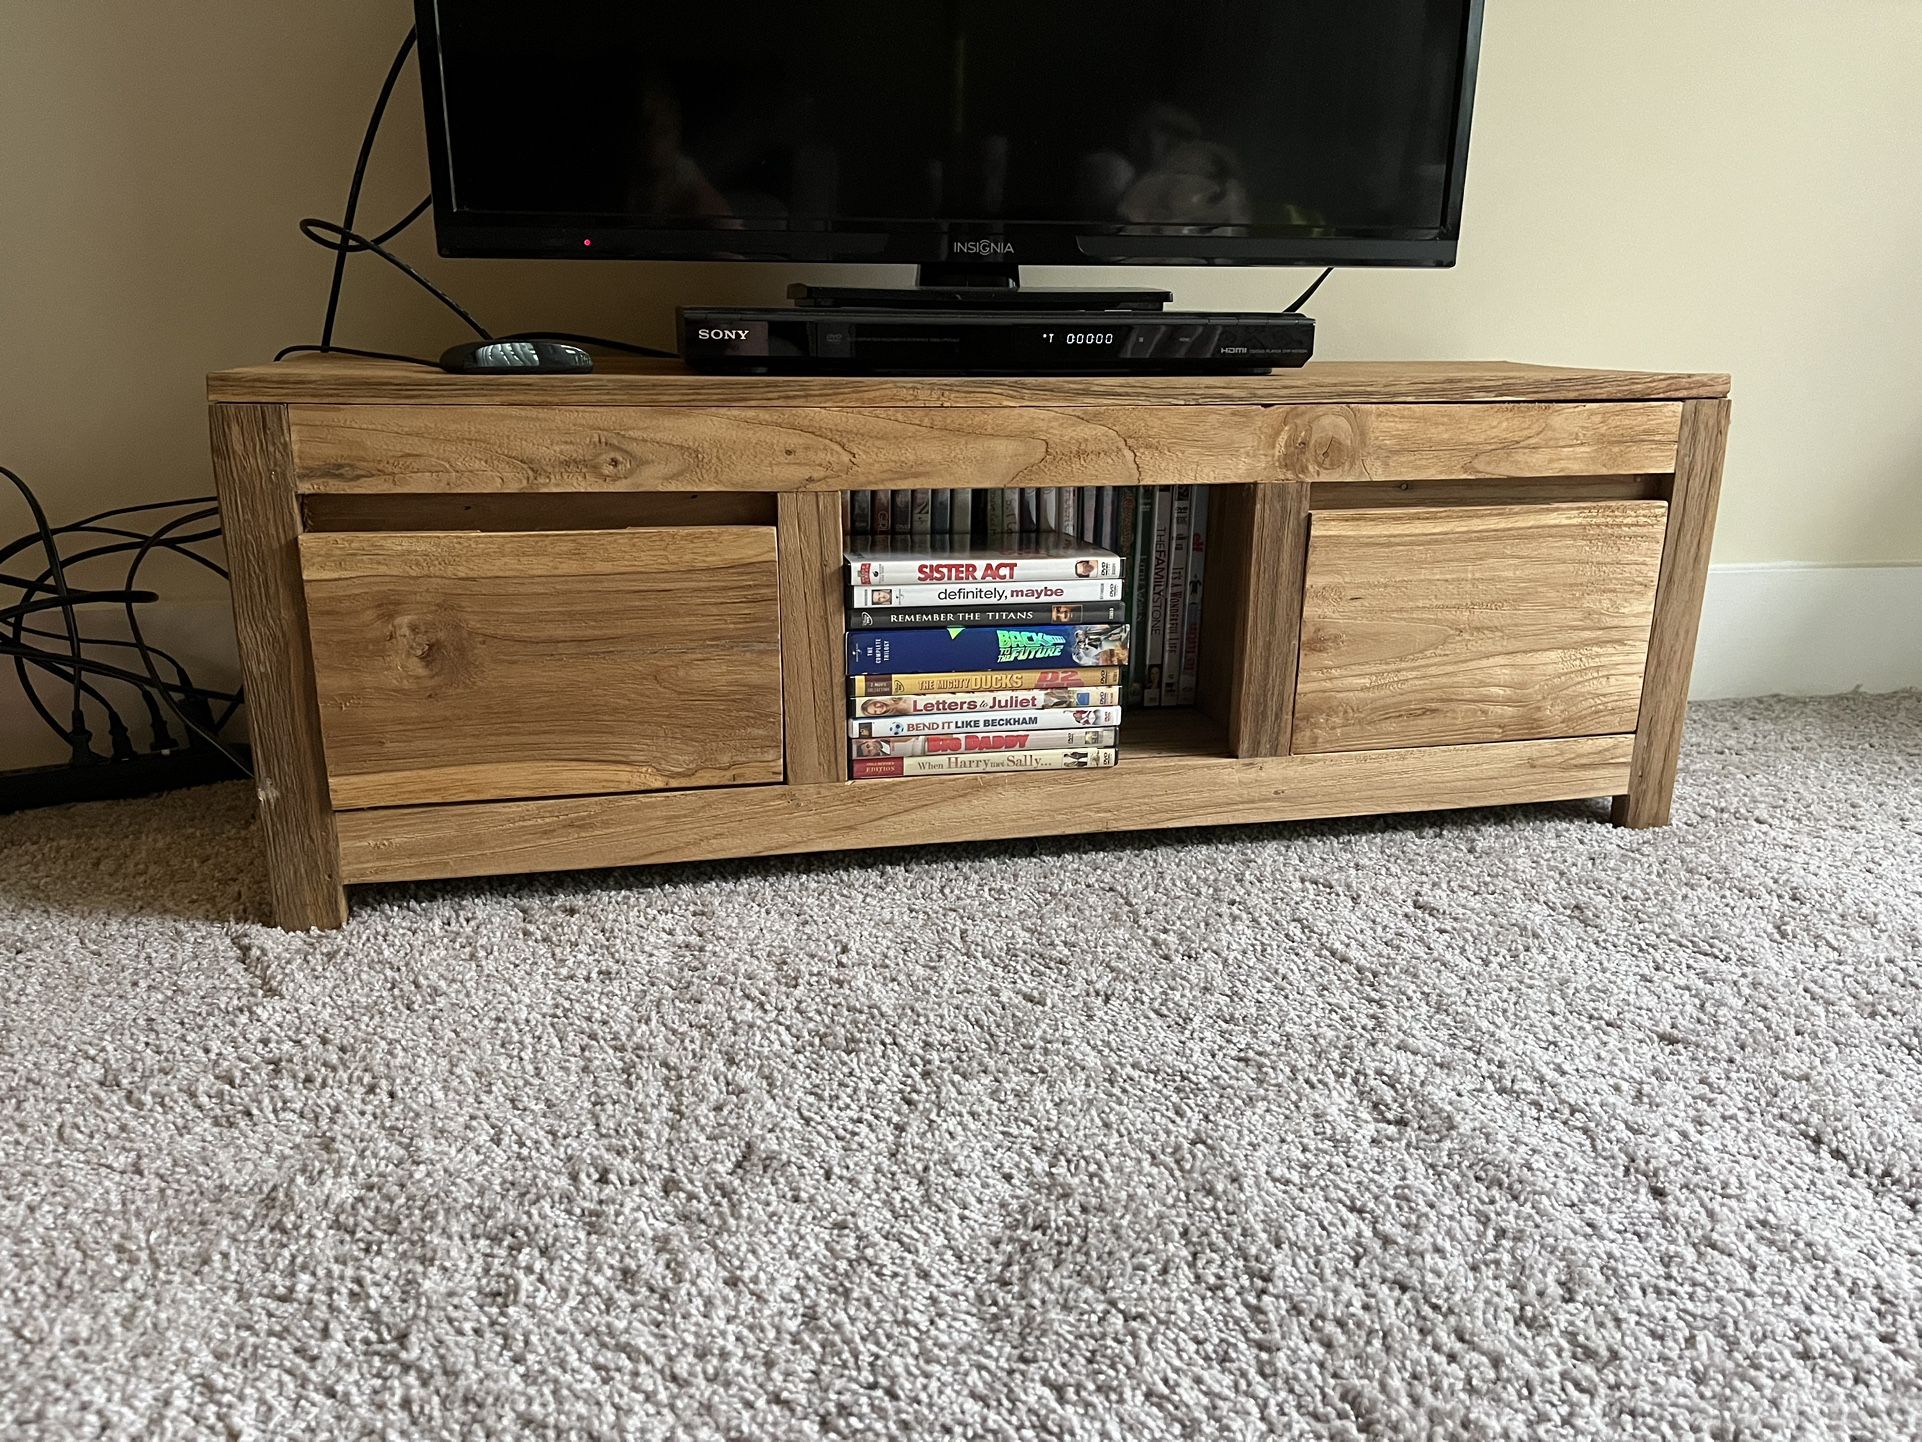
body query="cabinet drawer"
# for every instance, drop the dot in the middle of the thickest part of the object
(474, 666)
(1430, 626)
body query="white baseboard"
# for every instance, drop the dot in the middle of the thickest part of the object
(1783, 629)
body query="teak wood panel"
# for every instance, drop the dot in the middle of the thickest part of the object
(253, 471)
(518, 448)
(620, 381)
(812, 625)
(417, 843)
(365, 449)
(463, 666)
(1258, 541)
(1448, 625)
(1430, 443)
(1678, 610)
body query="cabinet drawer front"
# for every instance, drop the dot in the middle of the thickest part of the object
(464, 666)
(1432, 626)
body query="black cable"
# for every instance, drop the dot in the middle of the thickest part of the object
(93, 666)
(314, 229)
(10, 615)
(355, 246)
(78, 739)
(1307, 294)
(75, 667)
(15, 615)
(163, 737)
(63, 670)
(133, 629)
(286, 351)
(178, 545)
(185, 679)
(120, 548)
(131, 510)
(360, 176)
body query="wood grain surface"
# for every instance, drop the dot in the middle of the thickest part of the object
(1270, 529)
(438, 841)
(253, 473)
(1464, 624)
(1440, 443)
(346, 380)
(813, 613)
(365, 449)
(1678, 611)
(524, 448)
(459, 666)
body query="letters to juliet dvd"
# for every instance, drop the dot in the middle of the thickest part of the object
(986, 648)
(963, 703)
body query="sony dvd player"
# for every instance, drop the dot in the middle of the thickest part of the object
(860, 341)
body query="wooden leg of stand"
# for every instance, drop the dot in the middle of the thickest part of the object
(260, 515)
(1678, 609)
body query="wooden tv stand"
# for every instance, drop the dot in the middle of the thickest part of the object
(525, 623)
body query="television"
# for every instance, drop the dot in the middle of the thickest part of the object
(952, 133)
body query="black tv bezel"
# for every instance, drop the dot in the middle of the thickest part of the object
(512, 235)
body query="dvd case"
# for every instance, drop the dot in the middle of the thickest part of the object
(952, 742)
(1140, 562)
(1175, 628)
(1157, 631)
(1187, 686)
(977, 703)
(1063, 719)
(986, 648)
(1030, 522)
(983, 593)
(976, 764)
(924, 561)
(934, 683)
(1071, 613)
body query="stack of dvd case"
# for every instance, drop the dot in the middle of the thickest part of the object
(1103, 515)
(1161, 533)
(1166, 540)
(963, 657)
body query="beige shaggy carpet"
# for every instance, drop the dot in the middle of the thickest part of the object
(1495, 1124)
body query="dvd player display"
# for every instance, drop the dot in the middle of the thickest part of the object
(1026, 342)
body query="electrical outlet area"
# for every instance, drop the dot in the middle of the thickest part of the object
(129, 713)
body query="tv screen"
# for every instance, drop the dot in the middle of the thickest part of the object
(1048, 131)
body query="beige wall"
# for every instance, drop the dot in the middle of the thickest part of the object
(1712, 184)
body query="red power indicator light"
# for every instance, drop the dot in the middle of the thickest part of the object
(586, 242)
